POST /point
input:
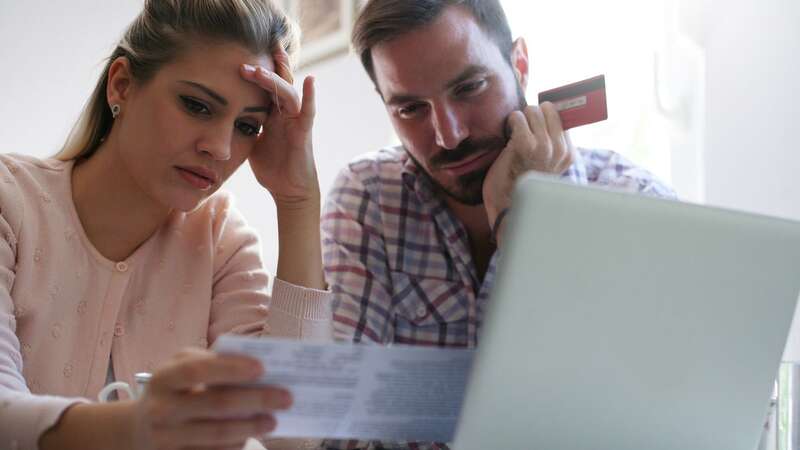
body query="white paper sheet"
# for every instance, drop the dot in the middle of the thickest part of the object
(344, 391)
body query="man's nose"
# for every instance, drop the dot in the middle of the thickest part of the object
(449, 126)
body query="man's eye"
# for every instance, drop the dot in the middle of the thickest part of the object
(195, 106)
(248, 129)
(468, 88)
(410, 110)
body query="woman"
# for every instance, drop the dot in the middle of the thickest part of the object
(120, 256)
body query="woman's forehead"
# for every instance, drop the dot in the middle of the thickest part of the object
(221, 54)
(218, 67)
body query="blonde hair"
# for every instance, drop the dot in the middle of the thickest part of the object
(161, 32)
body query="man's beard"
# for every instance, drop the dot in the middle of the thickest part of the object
(469, 187)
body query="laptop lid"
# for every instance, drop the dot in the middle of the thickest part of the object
(620, 321)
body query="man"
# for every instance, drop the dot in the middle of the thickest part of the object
(411, 234)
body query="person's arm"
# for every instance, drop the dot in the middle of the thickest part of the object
(607, 168)
(283, 163)
(190, 403)
(537, 142)
(299, 246)
(23, 415)
(29, 421)
(241, 303)
(91, 426)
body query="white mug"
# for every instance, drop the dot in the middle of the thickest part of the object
(142, 379)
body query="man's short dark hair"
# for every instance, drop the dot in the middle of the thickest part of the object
(383, 20)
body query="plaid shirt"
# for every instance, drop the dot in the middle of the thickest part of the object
(398, 260)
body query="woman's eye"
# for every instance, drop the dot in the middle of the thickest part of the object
(248, 129)
(195, 106)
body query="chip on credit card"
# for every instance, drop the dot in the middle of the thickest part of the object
(579, 103)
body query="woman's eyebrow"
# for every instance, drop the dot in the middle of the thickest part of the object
(220, 99)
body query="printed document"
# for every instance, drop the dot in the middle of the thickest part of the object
(350, 391)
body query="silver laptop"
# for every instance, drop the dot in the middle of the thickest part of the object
(625, 322)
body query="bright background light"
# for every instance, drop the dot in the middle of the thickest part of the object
(571, 40)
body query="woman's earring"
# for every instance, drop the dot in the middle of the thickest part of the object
(115, 108)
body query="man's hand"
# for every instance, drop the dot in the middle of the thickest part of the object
(538, 142)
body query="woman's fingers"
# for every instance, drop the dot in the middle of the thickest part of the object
(220, 433)
(237, 446)
(204, 368)
(201, 399)
(309, 105)
(285, 98)
(282, 67)
(279, 84)
(228, 402)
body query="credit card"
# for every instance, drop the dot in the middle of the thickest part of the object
(579, 103)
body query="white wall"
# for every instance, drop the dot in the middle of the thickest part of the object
(752, 155)
(52, 53)
(753, 106)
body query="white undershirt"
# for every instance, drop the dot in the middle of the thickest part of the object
(110, 379)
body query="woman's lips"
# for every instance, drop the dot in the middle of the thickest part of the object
(197, 177)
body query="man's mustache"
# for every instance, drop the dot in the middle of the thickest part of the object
(467, 148)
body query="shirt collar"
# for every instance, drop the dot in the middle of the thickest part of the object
(414, 180)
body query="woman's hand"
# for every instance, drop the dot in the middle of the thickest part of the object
(283, 158)
(283, 162)
(197, 401)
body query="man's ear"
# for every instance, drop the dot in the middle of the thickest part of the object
(519, 62)
(120, 82)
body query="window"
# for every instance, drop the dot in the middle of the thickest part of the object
(571, 40)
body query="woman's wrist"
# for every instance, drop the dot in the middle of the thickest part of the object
(92, 426)
(298, 220)
(305, 202)
(303, 211)
(299, 246)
